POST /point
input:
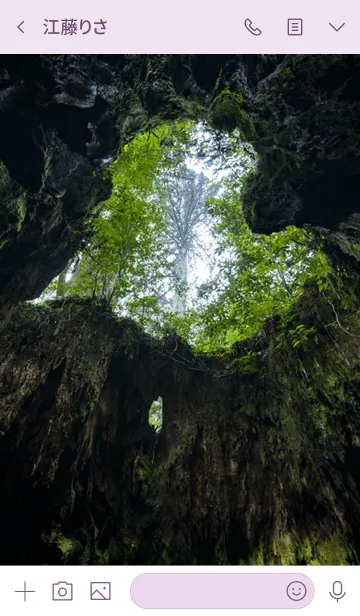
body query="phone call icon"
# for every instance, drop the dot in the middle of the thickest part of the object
(248, 25)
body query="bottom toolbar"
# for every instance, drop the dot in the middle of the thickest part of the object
(130, 590)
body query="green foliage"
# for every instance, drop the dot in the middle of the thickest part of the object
(248, 363)
(127, 257)
(156, 414)
(300, 335)
(144, 468)
(259, 275)
(124, 258)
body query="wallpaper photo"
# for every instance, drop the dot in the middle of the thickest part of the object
(179, 310)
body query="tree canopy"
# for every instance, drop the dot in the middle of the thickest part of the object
(174, 188)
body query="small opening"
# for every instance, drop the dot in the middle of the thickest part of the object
(156, 414)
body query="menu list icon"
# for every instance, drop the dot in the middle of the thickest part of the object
(295, 26)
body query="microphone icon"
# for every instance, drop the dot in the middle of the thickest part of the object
(337, 591)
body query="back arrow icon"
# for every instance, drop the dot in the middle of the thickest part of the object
(19, 27)
(337, 29)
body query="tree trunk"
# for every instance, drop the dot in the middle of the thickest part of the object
(181, 271)
(252, 467)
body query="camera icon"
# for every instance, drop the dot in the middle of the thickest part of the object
(62, 591)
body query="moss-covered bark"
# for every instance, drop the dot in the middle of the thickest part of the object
(256, 462)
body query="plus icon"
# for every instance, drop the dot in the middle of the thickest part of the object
(25, 591)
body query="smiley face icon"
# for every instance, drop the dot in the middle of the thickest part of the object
(296, 591)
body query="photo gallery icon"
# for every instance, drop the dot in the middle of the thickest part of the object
(100, 591)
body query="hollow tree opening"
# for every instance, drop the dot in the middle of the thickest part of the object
(172, 250)
(156, 414)
(256, 461)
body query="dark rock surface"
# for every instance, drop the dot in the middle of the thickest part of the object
(307, 114)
